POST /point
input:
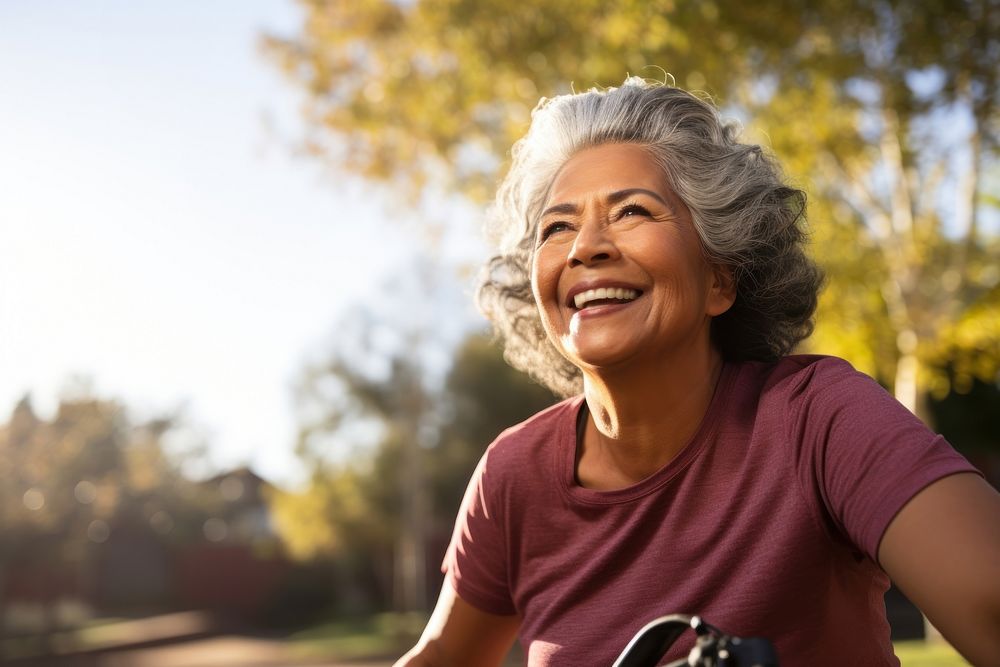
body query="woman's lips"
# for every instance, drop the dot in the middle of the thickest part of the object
(587, 299)
(587, 292)
(601, 309)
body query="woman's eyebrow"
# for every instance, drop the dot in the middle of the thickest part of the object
(621, 195)
(614, 198)
(561, 209)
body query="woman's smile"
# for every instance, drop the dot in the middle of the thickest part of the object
(599, 302)
(589, 297)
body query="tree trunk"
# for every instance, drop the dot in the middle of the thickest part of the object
(410, 589)
(906, 379)
(3, 611)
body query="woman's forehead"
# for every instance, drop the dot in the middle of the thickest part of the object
(609, 168)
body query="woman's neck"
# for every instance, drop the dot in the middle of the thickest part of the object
(642, 417)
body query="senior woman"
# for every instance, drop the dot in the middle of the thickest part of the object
(652, 267)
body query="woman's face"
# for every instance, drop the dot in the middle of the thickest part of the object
(618, 273)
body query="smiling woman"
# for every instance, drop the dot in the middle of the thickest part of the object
(652, 268)
(746, 219)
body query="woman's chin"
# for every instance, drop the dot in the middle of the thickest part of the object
(586, 354)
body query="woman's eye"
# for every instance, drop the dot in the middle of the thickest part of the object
(632, 209)
(552, 228)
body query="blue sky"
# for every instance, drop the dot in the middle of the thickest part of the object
(157, 233)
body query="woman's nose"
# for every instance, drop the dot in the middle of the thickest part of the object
(593, 244)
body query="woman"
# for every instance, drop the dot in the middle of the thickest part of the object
(655, 264)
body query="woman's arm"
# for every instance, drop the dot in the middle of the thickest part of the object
(459, 635)
(943, 551)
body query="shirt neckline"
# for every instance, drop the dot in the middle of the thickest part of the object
(567, 442)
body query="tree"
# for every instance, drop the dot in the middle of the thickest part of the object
(483, 396)
(66, 482)
(367, 419)
(391, 450)
(898, 155)
(68, 477)
(887, 111)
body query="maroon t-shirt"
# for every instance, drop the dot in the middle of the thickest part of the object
(766, 524)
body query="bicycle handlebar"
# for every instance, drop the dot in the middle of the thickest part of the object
(713, 648)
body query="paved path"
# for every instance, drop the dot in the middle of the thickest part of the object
(185, 639)
(223, 650)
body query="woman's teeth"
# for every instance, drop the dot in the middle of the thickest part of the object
(583, 299)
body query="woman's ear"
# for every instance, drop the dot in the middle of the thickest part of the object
(722, 291)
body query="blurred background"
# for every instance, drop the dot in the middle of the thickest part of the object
(242, 381)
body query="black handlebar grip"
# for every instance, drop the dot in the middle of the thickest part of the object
(749, 652)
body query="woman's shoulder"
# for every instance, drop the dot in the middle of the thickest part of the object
(809, 386)
(554, 423)
(806, 376)
(528, 455)
(807, 367)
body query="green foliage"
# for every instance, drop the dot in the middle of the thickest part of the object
(399, 83)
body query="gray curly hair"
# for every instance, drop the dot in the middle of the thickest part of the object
(746, 217)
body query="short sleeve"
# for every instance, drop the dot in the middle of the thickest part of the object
(866, 454)
(476, 560)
